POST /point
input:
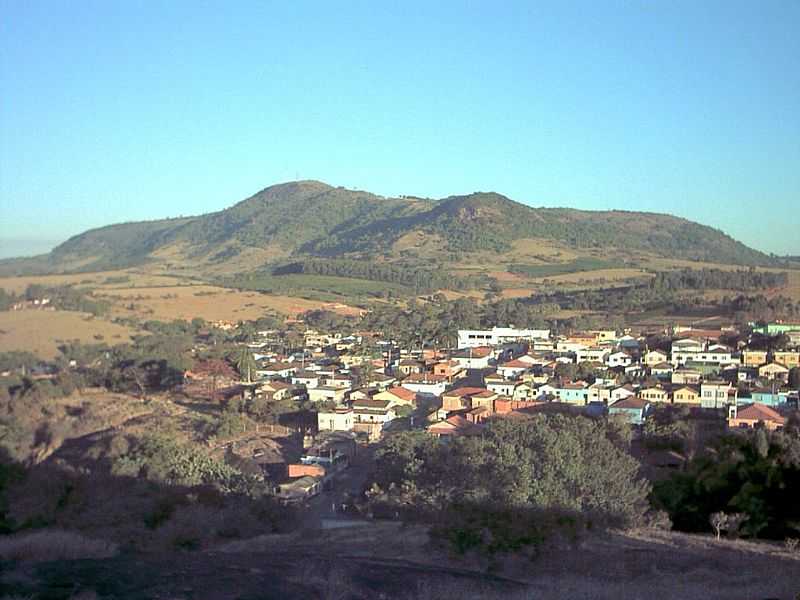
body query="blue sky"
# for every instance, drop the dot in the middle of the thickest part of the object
(122, 110)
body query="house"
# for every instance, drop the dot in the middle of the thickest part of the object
(592, 354)
(769, 397)
(450, 369)
(755, 414)
(685, 394)
(570, 346)
(339, 380)
(340, 419)
(426, 385)
(788, 358)
(398, 396)
(618, 359)
(754, 358)
(277, 369)
(461, 398)
(573, 393)
(654, 394)
(453, 425)
(635, 410)
(274, 390)
(685, 350)
(473, 357)
(662, 370)
(717, 394)
(774, 371)
(655, 357)
(501, 386)
(381, 382)
(686, 376)
(306, 378)
(471, 338)
(373, 411)
(407, 366)
(513, 369)
(484, 399)
(327, 394)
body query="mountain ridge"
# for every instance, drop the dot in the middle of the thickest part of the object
(313, 218)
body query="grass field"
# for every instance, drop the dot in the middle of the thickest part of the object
(208, 302)
(42, 331)
(98, 280)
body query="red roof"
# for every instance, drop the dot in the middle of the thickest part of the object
(402, 393)
(515, 364)
(632, 402)
(464, 392)
(759, 412)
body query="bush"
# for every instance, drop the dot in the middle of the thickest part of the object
(53, 544)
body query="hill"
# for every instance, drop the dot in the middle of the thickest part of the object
(310, 218)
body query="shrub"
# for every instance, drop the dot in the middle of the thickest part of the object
(53, 544)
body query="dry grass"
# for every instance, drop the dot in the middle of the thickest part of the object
(90, 280)
(53, 544)
(42, 331)
(209, 302)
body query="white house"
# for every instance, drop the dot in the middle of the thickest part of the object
(341, 419)
(655, 357)
(717, 394)
(618, 359)
(593, 354)
(472, 338)
(425, 384)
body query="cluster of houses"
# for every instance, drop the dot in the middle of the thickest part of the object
(512, 372)
(507, 370)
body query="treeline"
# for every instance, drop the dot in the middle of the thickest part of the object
(422, 280)
(699, 279)
(438, 320)
(62, 297)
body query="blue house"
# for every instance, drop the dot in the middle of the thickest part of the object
(769, 397)
(635, 410)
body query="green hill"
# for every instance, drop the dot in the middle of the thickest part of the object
(310, 218)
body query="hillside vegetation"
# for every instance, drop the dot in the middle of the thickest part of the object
(310, 218)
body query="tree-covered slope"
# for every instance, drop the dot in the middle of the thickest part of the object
(312, 218)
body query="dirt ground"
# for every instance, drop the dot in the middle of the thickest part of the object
(388, 560)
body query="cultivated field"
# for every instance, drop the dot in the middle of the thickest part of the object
(42, 331)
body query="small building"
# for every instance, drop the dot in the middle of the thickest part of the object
(635, 410)
(774, 371)
(755, 414)
(685, 394)
(341, 419)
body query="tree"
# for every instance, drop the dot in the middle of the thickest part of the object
(719, 521)
(246, 364)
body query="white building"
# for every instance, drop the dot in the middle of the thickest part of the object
(472, 338)
(340, 419)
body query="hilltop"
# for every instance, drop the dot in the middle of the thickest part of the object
(314, 219)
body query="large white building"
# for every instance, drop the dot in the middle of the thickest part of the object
(472, 338)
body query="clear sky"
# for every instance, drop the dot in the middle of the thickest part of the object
(126, 110)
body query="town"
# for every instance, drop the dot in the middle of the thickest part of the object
(690, 374)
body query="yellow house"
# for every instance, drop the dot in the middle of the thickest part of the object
(790, 358)
(754, 358)
(774, 370)
(685, 395)
(655, 394)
